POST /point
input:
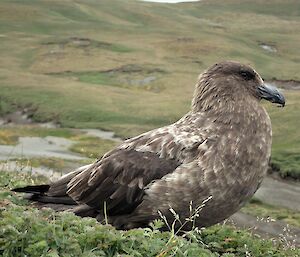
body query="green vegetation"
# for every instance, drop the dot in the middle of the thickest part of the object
(81, 42)
(94, 77)
(257, 208)
(65, 61)
(56, 164)
(10, 135)
(287, 165)
(286, 136)
(92, 147)
(9, 180)
(128, 76)
(46, 233)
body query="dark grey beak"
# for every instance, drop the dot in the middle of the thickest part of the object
(271, 93)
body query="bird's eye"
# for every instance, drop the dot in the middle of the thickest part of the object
(247, 75)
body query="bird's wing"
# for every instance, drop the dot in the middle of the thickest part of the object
(120, 177)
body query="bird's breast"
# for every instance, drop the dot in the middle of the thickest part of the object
(234, 164)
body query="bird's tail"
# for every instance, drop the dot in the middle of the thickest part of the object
(39, 189)
(40, 194)
(54, 193)
(42, 198)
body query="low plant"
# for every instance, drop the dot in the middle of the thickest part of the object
(28, 231)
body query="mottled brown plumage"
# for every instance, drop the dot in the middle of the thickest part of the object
(218, 151)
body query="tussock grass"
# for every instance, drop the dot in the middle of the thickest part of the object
(32, 232)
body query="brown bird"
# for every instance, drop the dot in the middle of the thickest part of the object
(216, 154)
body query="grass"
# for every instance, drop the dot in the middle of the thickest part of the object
(9, 180)
(10, 135)
(85, 44)
(56, 164)
(287, 165)
(128, 76)
(182, 40)
(94, 78)
(92, 147)
(257, 208)
(46, 233)
(286, 137)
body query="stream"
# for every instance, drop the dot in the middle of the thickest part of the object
(49, 146)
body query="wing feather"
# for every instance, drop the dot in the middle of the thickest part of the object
(119, 179)
(121, 176)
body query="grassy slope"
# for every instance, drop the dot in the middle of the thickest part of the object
(286, 137)
(44, 68)
(45, 233)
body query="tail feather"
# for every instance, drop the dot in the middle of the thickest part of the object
(39, 189)
(52, 199)
(55, 194)
(39, 193)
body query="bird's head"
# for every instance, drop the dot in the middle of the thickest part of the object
(230, 81)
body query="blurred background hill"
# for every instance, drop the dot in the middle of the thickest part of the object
(131, 66)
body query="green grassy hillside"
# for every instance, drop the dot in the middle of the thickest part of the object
(130, 66)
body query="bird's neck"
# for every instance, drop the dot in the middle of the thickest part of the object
(210, 97)
(223, 104)
(241, 113)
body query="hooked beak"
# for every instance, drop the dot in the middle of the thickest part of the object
(271, 93)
